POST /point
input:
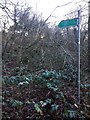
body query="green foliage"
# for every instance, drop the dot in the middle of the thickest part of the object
(48, 101)
(37, 108)
(17, 80)
(72, 114)
(70, 72)
(15, 103)
(50, 74)
(54, 107)
(28, 102)
(85, 86)
(56, 98)
(53, 87)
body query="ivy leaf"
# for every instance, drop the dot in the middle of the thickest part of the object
(15, 103)
(72, 114)
(38, 109)
(54, 107)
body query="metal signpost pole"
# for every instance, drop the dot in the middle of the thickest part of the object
(71, 23)
(89, 37)
(79, 56)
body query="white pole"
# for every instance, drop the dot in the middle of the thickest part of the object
(79, 56)
(89, 37)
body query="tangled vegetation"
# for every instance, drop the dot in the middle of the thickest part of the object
(39, 66)
(44, 95)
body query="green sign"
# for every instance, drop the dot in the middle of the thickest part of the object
(68, 23)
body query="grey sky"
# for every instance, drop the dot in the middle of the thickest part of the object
(45, 7)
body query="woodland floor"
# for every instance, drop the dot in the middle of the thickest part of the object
(43, 96)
